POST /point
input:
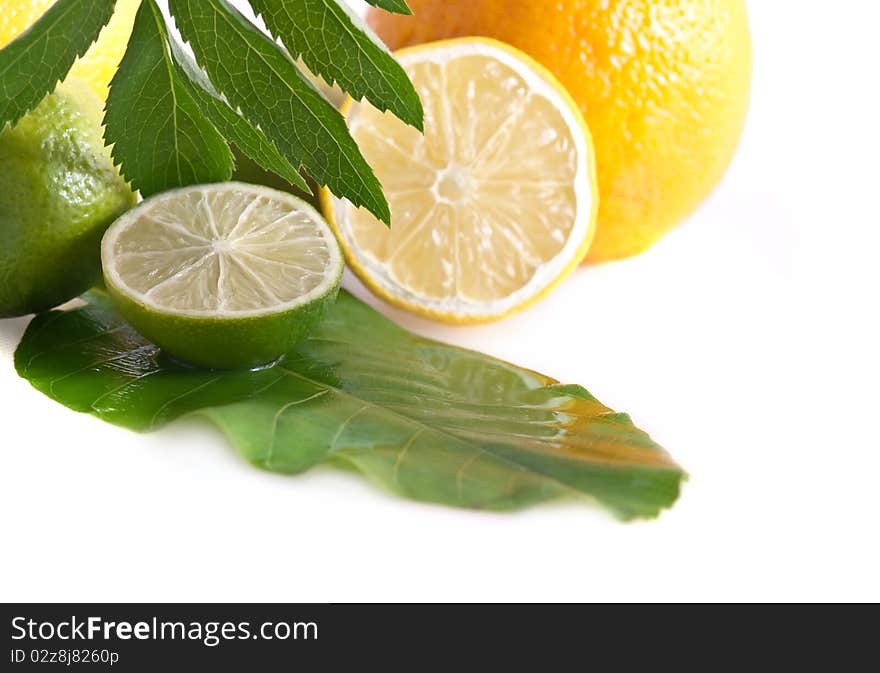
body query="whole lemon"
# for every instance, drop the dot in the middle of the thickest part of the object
(59, 191)
(99, 63)
(664, 86)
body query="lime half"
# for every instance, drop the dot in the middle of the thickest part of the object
(223, 276)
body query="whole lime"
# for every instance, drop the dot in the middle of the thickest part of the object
(249, 171)
(59, 191)
(98, 65)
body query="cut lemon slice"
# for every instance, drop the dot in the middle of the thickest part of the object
(492, 206)
(222, 276)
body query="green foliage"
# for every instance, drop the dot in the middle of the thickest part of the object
(156, 127)
(396, 6)
(429, 421)
(237, 129)
(330, 40)
(171, 121)
(257, 77)
(32, 64)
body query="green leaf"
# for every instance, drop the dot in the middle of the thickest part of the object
(429, 421)
(257, 77)
(158, 131)
(238, 130)
(33, 64)
(335, 44)
(396, 6)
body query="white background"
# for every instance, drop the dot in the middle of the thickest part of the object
(744, 343)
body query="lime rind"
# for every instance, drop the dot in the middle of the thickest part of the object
(225, 343)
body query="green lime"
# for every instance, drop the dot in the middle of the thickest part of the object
(222, 276)
(59, 191)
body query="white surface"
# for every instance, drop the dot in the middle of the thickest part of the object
(744, 343)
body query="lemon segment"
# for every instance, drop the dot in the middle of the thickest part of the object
(492, 206)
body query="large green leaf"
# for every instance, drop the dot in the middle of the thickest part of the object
(429, 421)
(259, 78)
(158, 131)
(32, 64)
(334, 43)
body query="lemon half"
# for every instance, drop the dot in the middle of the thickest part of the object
(492, 206)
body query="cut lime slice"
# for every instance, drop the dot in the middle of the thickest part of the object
(222, 276)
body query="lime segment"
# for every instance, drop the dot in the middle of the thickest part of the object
(223, 275)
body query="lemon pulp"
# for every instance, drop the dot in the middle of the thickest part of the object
(492, 205)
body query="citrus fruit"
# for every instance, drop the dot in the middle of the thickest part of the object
(59, 191)
(223, 276)
(492, 206)
(99, 63)
(663, 85)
